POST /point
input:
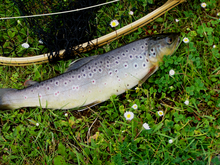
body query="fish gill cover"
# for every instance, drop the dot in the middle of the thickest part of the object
(47, 34)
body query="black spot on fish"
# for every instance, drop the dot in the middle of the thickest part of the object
(125, 65)
(72, 76)
(146, 59)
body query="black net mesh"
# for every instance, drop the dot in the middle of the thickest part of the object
(47, 34)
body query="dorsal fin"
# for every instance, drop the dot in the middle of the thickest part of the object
(28, 83)
(80, 62)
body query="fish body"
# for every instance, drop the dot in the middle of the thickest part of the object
(94, 79)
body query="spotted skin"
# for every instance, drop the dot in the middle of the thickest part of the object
(97, 79)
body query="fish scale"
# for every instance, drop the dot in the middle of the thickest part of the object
(92, 80)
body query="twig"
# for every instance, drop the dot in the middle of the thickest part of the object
(88, 134)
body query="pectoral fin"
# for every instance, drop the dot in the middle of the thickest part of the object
(151, 71)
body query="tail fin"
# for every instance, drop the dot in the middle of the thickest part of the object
(4, 98)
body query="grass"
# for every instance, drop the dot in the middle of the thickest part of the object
(101, 135)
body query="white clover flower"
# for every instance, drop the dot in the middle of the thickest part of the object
(160, 113)
(137, 88)
(146, 126)
(37, 124)
(171, 72)
(131, 12)
(40, 42)
(25, 45)
(66, 114)
(203, 5)
(19, 22)
(114, 23)
(214, 46)
(134, 106)
(186, 102)
(186, 40)
(171, 141)
(129, 115)
(177, 20)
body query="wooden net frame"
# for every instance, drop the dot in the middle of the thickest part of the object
(22, 61)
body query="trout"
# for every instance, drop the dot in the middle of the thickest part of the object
(92, 80)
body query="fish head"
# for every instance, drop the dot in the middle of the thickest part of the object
(161, 45)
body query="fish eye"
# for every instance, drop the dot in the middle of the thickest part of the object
(169, 40)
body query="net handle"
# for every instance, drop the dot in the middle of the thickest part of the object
(23, 61)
